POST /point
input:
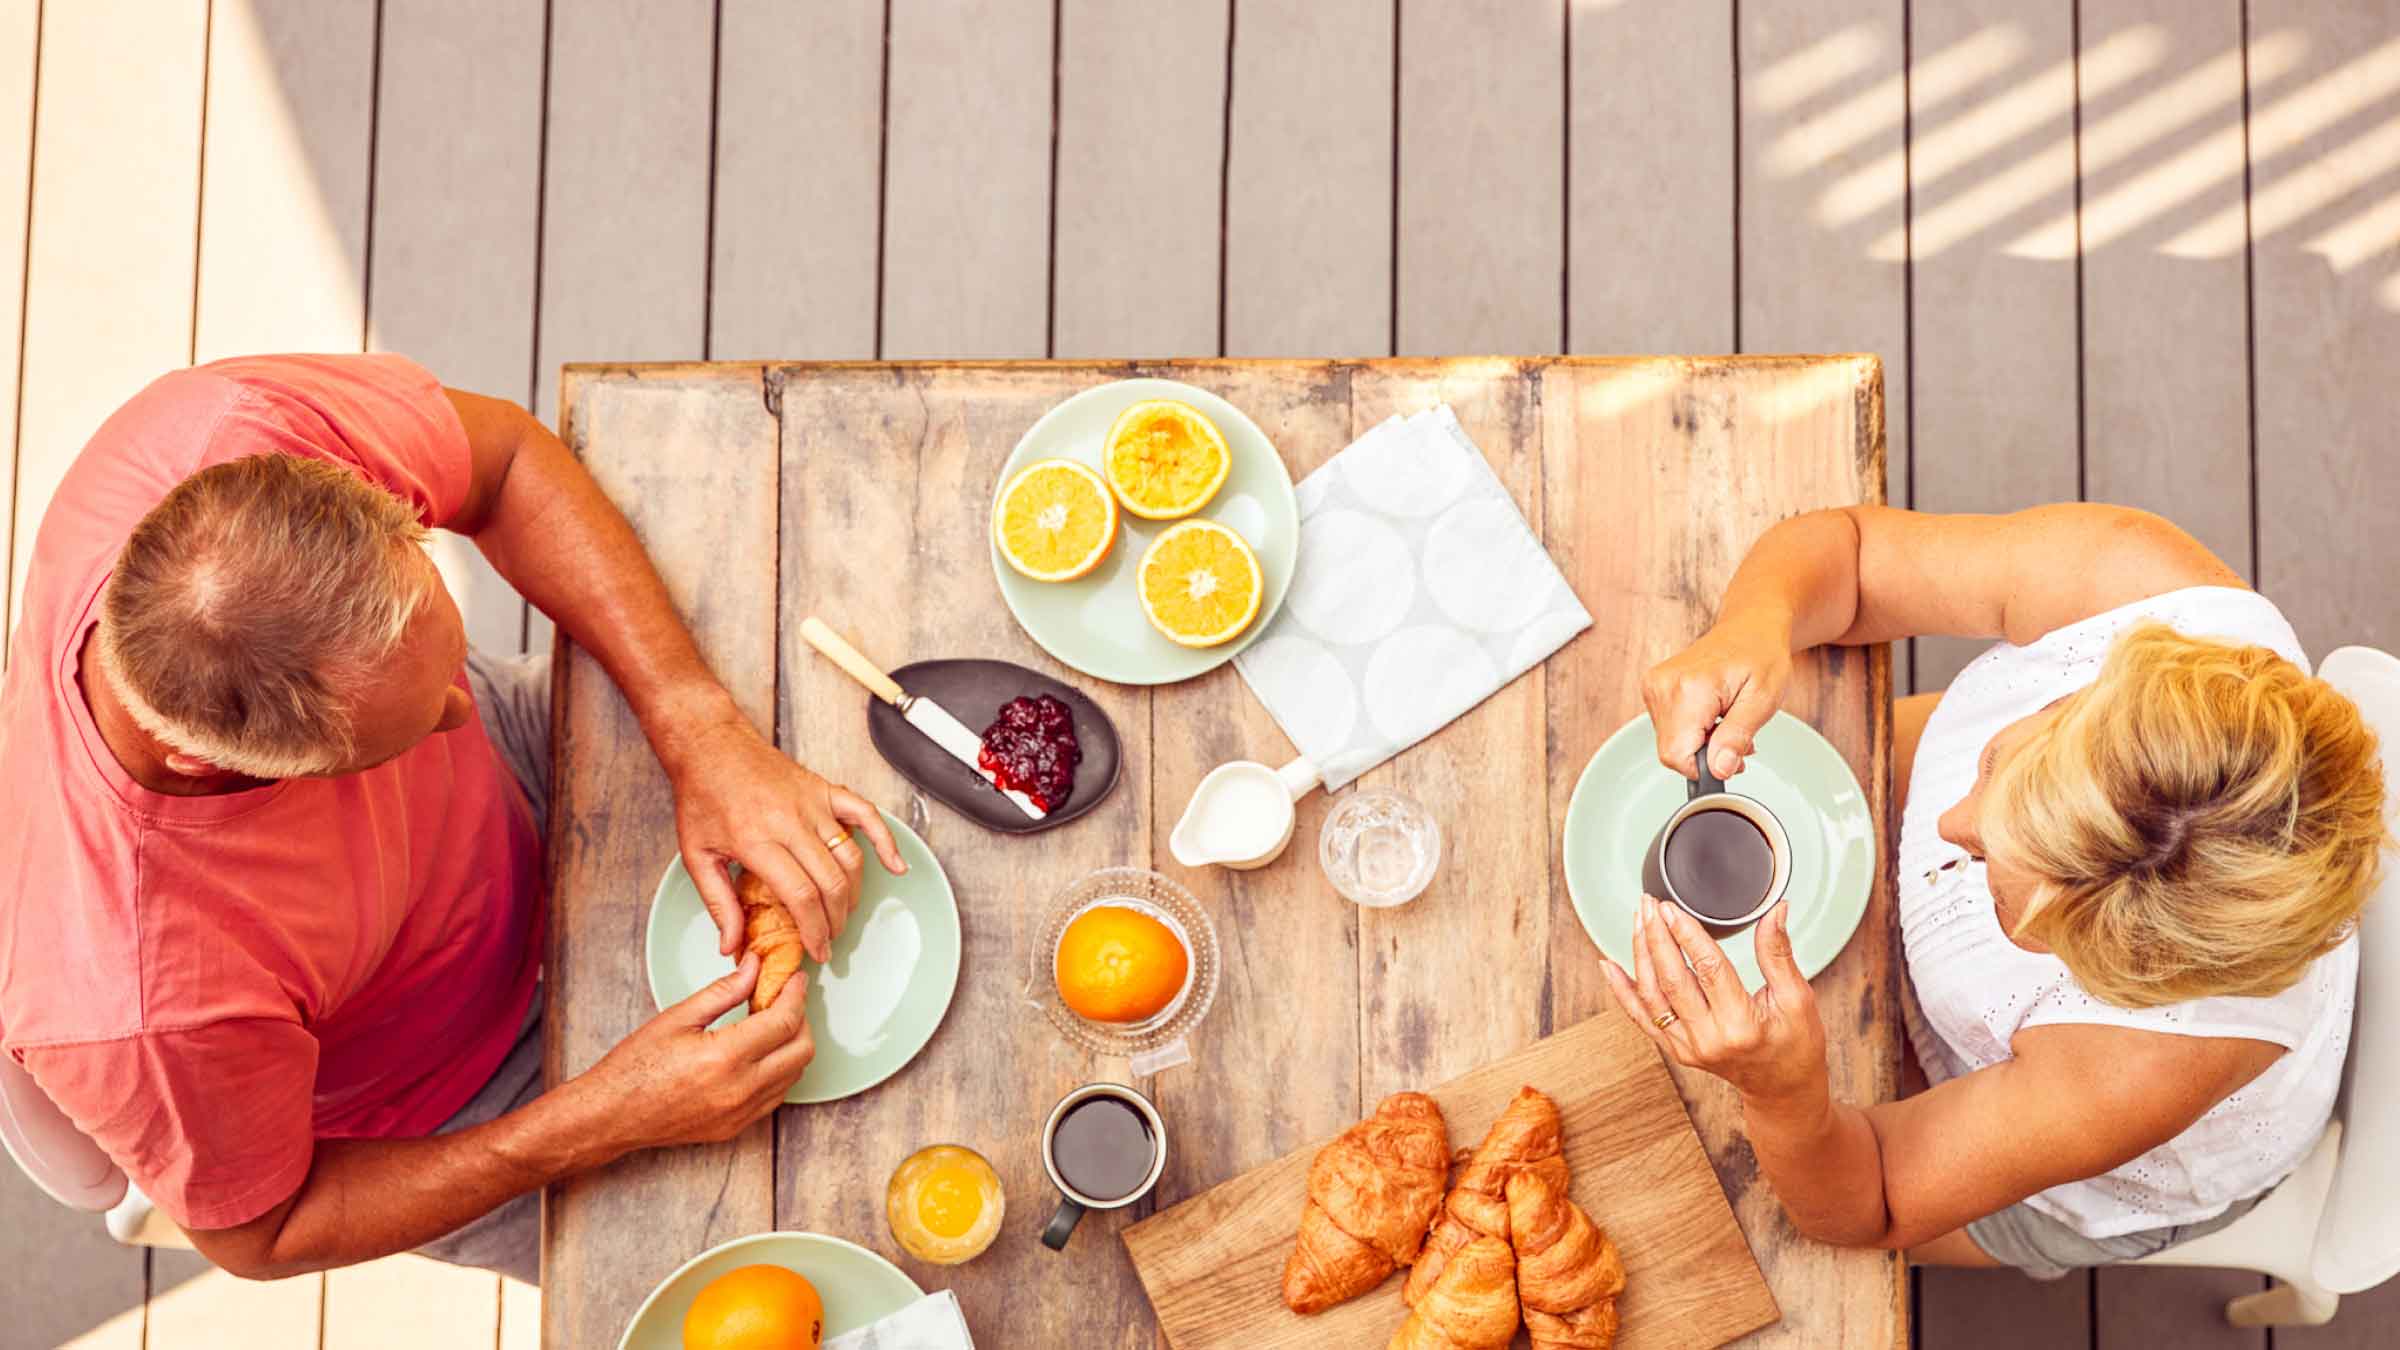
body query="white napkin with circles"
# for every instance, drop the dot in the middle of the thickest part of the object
(931, 1323)
(1419, 592)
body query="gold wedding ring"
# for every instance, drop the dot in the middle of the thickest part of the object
(1663, 1020)
(835, 841)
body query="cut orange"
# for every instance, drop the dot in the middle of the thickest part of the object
(1117, 964)
(1200, 584)
(1165, 459)
(1055, 520)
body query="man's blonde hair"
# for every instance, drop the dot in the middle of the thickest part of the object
(2205, 820)
(251, 603)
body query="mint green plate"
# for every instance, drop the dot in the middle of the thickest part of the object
(1625, 794)
(875, 1005)
(1095, 623)
(859, 1287)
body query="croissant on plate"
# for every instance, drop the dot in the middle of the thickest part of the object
(1568, 1272)
(768, 931)
(1371, 1192)
(1526, 1138)
(1472, 1305)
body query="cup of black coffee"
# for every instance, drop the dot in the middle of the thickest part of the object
(1104, 1147)
(1722, 857)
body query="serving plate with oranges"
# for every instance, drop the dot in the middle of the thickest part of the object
(769, 1289)
(1144, 531)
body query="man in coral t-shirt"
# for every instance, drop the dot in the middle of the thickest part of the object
(270, 887)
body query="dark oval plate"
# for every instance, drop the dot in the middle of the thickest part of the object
(973, 691)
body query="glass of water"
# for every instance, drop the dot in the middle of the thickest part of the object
(1379, 848)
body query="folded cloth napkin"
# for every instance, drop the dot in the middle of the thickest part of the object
(931, 1323)
(1419, 592)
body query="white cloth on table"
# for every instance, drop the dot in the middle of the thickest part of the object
(1420, 591)
(933, 1322)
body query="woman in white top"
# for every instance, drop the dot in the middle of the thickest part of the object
(2135, 838)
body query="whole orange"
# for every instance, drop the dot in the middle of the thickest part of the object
(1117, 964)
(756, 1308)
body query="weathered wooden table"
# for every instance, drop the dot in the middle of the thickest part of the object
(860, 492)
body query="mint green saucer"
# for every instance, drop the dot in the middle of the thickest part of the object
(859, 1287)
(875, 1005)
(1095, 623)
(1625, 794)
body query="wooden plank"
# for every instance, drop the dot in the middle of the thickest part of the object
(1290, 943)
(1425, 1015)
(1481, 216)
(625, 196)
(691, 462)
(1308, 196)
(799, 176)
(1755, 441)
(1995, 332)
(2327, 287)
(2165, 358)
(1809, 284)
(2141, 1307)
(411, 1303)
(195, 1306)
(2364, 1322)
(20, 40)
(116, 192)
(1141, 147)
(966, 261)
(2002, 1309)
(283, 177)
(91, 1288)
(1214, 1266)
(1649, 181)
(852, 542)
(458, 151)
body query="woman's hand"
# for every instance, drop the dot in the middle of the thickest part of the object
(739, 799)
(1737, 670)
(1770, 1045)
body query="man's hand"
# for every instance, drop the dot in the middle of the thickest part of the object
(674, 1081)
(739, 799)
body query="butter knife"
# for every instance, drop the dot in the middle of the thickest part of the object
(920, 712)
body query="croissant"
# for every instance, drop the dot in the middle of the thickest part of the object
(1568, 1272)
(1371, 1193)
(768, 930)
(1526, 1137)
(1471, 1306)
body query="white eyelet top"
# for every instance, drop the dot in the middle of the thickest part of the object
(1974, 989)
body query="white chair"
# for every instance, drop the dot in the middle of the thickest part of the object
(2327, 1229)
(70, 1168)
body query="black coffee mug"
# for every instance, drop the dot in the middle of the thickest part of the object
(1085, 1148)
(1706, 793)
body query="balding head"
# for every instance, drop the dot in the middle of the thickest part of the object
(254, 603)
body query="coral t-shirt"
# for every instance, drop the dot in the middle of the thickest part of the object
(208, 985)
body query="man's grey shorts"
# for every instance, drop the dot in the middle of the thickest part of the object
(512, 698)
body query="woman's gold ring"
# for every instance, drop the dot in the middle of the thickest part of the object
(1663, 1020)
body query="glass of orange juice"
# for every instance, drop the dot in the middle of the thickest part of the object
(944, 1204)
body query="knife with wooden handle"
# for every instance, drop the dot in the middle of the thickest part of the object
(918, 711)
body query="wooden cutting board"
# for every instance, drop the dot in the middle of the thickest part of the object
(1213, 1265)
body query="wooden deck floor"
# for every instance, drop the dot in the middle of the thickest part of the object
(2136, 250)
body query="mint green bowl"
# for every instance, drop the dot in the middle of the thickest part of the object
(872, 1007)
(859, 1287)
(1095, 623)
(1625, 794)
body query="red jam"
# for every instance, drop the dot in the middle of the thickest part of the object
(1031, 747)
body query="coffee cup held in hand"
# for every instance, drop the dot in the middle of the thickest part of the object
(1722, 857)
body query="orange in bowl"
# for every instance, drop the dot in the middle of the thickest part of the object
(1118, 964)
(758, 1307)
